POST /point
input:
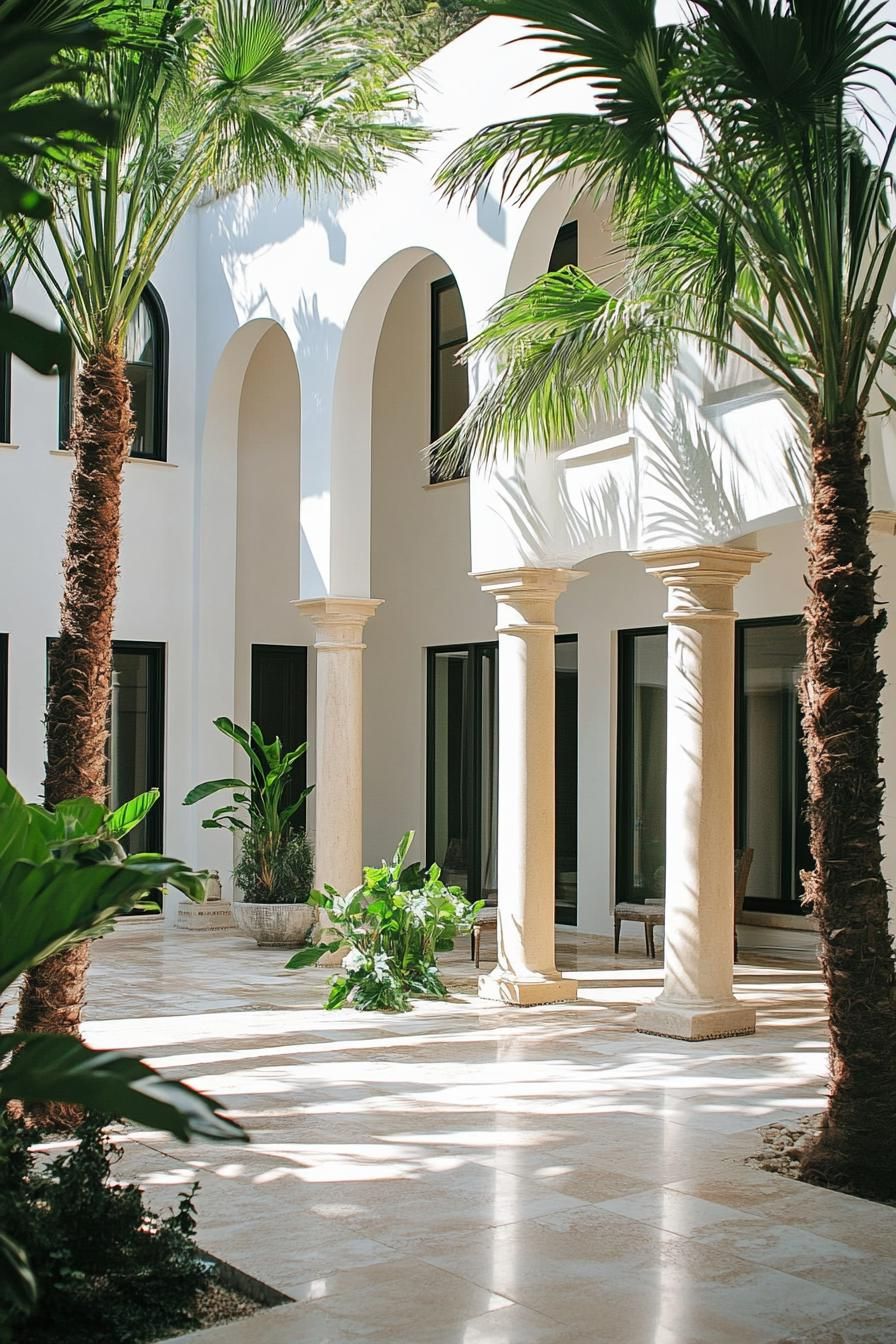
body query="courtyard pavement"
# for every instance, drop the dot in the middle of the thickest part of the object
(472, 1174)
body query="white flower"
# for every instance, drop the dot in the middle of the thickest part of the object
(354, 960)
(417, 906)
(381, 966)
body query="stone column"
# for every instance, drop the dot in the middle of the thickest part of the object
(697, 1001)
(526, 972)
(339, 625)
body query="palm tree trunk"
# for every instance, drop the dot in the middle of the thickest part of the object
(81, 658)
(847, 893)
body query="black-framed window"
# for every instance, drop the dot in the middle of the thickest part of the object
(771, 772)
(279, 696)
(462, 769)
(136, 743)
(566, 247)
(449, 381)
(146, 366)
(770, 763)
(5, 367)
(137, 735)
(4, 702)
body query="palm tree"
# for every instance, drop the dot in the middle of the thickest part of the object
(210, 96)
(43, 53)
(752, 220)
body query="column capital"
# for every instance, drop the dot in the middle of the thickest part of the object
(700, 579)
(526, 597)
(506, 585)
(338, 621)
(725, 565)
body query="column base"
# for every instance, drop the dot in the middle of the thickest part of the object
(502, 987)
(701, 1022)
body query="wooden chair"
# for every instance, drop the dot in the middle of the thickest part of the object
(651, 915)
(488, 918)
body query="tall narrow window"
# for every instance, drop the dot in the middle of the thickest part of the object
(771, 762)
(146, 366)
(4, 701)
(5, 366)
(449, 381)
(566, 247)
(462, 770)
(137, 735)
(280, 704)
(641, 766)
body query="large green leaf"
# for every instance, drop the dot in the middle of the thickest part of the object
(213, 786)
(60, 1068)
(46, 907)
(129, 815)
(41, 348)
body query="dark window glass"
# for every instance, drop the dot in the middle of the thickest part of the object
(566, 247)
(5, 366)
(4, 701)
(449, 380)
(462, 770)
(146, 365)
(770, 764)
(641, 785)
(136, 736)
(566, 756)
(280, 705)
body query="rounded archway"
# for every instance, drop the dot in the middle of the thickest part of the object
(247, 504)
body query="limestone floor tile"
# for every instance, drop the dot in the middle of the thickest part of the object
(867, 1325)
(305, 1324)
(783, 1245)
(686, 1214)
(399, 1295)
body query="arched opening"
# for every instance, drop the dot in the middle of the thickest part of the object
(267, 530)
(247, 492)
(420, 562)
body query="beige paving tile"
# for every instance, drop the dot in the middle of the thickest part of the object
(470, 1173)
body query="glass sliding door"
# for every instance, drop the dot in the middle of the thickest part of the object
(462, 770)
(641, 756)
(566, 748)
(136, 735)
(771, 762)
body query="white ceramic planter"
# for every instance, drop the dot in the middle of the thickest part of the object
(274, 925)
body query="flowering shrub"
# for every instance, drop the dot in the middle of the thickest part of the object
(392, 927)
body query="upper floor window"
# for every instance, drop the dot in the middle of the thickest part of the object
(449, 384)
(146, 366)
(5, 366)
(566, 247)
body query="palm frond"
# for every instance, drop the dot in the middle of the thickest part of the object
(562, 349)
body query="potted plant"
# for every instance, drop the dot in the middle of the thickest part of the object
(275, 869)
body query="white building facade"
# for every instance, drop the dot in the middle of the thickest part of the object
(492, 660)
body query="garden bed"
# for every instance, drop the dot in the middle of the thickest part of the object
(782, 1151)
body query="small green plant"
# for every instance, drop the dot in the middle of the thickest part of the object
(107, 1270)
(271, 853)
(289, 869)
(392, 928)
(64, 877)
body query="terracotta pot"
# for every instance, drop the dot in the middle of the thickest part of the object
(274, 925)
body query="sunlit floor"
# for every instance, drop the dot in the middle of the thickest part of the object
(472, 1174)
